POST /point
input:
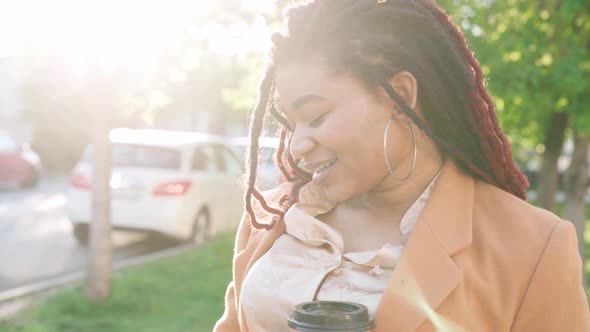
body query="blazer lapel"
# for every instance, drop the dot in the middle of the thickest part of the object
(426, 274)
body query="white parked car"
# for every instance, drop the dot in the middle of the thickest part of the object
(268, 174)
(181, 184)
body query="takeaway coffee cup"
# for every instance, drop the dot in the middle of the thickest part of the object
(330, 316)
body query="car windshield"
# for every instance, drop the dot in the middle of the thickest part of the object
(145, 156)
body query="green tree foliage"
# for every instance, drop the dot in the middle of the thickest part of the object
(536, 56)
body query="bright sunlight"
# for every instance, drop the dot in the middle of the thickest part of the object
(122, 33)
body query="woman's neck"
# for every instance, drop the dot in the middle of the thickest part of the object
(392, 198)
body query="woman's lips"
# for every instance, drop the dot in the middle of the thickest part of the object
(321, 174)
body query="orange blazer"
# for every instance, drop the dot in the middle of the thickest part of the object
(478, 259)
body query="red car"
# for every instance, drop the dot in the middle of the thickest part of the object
(19, 165)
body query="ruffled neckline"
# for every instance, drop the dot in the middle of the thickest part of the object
(301, 223)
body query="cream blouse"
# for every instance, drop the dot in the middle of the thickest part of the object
(307, 263)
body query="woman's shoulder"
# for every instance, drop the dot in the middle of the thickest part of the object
(494, 202)
(518, 252)
(498, 214)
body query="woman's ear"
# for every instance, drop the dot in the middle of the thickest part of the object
(406, 86)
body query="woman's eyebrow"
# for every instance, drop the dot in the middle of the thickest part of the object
(306, 99)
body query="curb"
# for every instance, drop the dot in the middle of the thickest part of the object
(18, 298)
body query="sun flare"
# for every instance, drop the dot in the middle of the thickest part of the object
(124, 32)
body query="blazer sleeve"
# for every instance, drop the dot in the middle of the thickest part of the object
(555, 299)
(229, 321)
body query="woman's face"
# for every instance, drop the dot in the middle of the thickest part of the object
(338, 130)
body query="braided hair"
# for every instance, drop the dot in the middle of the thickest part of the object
(374, 40)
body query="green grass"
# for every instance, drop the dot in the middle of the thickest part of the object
(182, 293)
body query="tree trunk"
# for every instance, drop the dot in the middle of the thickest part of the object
(576, 188)
(98, 286)
(548, 177)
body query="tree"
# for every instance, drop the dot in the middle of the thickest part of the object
(535, 56)
(55, 108)
(576, 189)
(98, 285)
(553, 143)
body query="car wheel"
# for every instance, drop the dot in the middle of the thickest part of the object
(81, 233)
(200, 230)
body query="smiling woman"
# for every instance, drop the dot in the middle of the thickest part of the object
(410, 203)
(346, 121)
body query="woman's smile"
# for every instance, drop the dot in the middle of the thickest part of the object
(321, 173)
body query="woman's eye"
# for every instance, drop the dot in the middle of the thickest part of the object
(317, 121)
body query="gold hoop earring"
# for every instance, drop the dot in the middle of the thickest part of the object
(385, 134)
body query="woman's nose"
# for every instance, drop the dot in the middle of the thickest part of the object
(301, 144)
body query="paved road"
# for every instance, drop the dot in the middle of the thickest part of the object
(35, 236)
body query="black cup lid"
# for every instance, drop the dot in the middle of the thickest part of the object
(330, 316)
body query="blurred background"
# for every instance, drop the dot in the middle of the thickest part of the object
(131, 116)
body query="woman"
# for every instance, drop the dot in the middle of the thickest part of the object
(412, 205)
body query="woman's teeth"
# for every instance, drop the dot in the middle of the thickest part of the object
(323, 167)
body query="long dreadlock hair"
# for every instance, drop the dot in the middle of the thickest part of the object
(374, 40)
